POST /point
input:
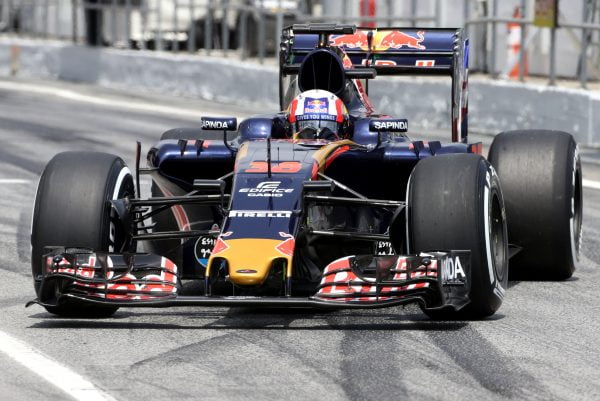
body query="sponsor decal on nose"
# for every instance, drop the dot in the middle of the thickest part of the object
(267, 189)
(220, 246)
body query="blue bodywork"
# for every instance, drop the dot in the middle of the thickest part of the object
(376, 165)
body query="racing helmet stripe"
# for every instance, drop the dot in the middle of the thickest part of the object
(340, 110)
(293, 107)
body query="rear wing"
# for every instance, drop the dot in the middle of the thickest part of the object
(388, 51)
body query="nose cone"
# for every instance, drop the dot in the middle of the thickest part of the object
(250, 260)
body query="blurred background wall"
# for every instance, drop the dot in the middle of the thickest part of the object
(250, 28)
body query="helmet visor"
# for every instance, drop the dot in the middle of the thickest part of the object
(318, 125)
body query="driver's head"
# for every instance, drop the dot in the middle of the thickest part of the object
(317, 114)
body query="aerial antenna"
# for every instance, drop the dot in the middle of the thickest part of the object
(369, 55)
(329, 74)
(138, 152)
(370, 47)
(269, 156)
(312, 61)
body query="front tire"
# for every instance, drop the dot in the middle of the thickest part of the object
(72, 210)
(455, 203)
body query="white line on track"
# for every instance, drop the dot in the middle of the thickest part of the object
(13, 181)
(56, 374)
(590, 184)
(109, 102)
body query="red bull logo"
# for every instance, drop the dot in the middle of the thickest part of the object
(287, 246)
(381, 40)
(312, 105)
(398, 40)
(358, 40)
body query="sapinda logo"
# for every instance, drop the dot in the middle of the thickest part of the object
(221, 124)
(267, 188)
(390, 125)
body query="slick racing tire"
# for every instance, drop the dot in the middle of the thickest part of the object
(71, 210)
(454, 202)
(541, 178)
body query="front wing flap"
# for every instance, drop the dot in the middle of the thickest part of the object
(105, 277)
(434, 279)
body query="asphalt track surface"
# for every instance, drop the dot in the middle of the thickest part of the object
(543, 344)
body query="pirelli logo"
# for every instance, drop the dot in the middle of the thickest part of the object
(261, 213)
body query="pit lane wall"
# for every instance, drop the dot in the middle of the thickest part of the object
(494, 106)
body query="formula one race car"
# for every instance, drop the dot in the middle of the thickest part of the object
(325, 204)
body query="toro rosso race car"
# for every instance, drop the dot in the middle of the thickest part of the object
(324, 204)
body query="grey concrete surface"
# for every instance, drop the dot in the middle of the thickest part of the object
(494, 105)
(220, 79)
(541, 345)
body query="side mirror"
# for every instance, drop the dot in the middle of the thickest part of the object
(219, 123)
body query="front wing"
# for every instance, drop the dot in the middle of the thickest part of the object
(434, 279)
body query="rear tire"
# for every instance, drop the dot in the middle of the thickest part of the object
(454, 202)
(71, 210)
(541, 180)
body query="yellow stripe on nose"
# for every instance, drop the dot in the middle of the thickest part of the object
(250, 260)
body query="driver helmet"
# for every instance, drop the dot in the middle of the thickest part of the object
(318, 114)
